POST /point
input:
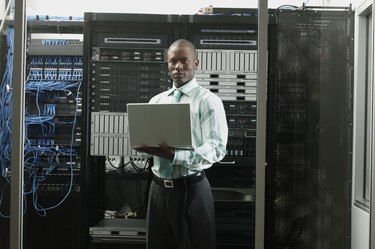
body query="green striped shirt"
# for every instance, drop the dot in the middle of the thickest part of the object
(209, 132)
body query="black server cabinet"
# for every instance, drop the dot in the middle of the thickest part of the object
(309, 130)
(227, 50)
(53, 128)
(125, 62)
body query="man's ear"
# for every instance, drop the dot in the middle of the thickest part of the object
(196, 63)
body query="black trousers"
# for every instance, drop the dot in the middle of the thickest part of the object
(181, 217)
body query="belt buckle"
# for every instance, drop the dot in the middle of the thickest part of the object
(168, 183)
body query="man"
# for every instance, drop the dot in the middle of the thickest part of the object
(180, 209)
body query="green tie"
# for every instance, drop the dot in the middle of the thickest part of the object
(176, 96)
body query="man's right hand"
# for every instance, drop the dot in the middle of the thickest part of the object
(163, 151)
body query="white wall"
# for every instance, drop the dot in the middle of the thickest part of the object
(78, 7)
(360, 237)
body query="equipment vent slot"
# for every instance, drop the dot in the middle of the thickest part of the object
(228, 42)
(129, 40)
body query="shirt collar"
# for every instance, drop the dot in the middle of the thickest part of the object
(187, 88)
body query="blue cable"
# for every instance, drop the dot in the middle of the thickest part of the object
(45, 84)
(41, 211)
(5, 107)
(61, 79)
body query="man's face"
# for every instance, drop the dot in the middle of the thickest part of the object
(182, 63)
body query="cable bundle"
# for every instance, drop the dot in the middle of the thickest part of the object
(52, 83)
(5, 117)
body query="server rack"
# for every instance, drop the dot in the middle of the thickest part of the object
(226, 47)
(227, 51)
(52, 136)
(125, 62)
(310, 129)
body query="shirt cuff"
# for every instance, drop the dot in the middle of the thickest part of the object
(179, 156)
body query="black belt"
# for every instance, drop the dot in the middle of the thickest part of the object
(183, 181)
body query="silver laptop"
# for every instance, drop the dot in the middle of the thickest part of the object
(152, 124)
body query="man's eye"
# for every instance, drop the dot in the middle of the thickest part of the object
(174, 62)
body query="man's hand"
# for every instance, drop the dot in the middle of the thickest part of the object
(163, 151)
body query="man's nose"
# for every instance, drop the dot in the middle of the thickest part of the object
(179, 65)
